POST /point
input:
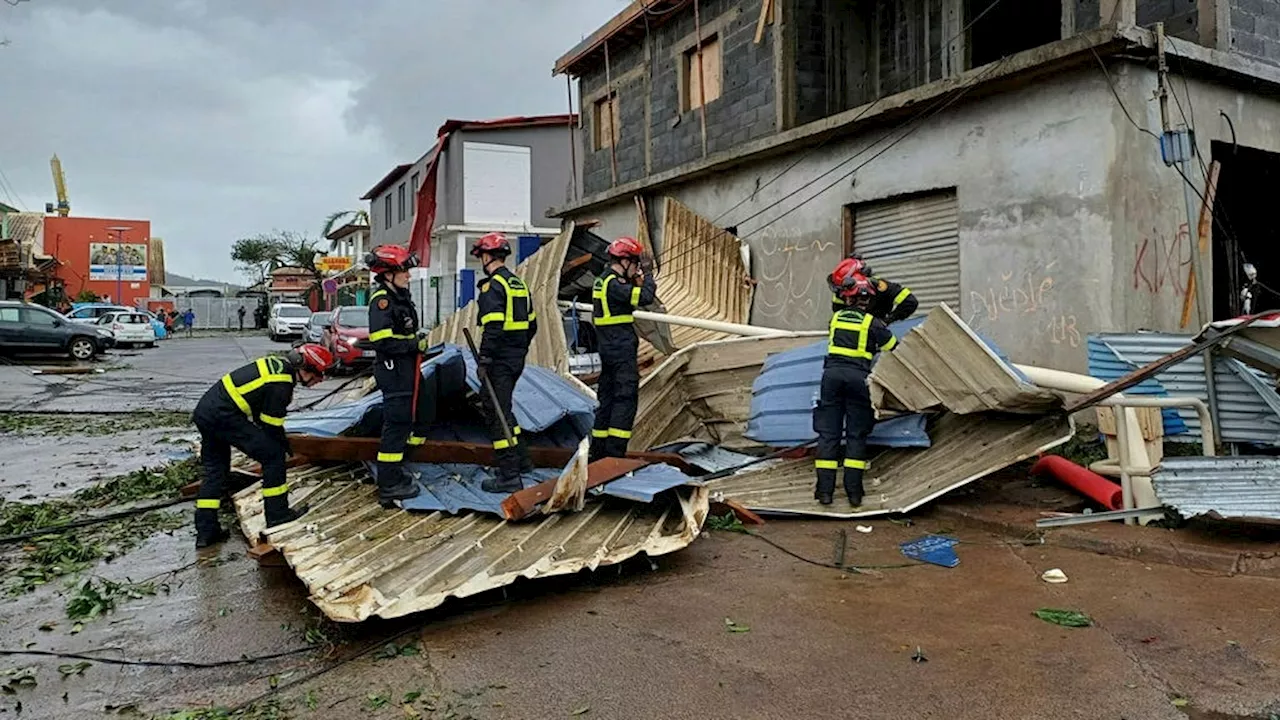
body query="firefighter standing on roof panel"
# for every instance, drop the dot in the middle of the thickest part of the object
(510, 324)
(844, 416)
(245, 410)
(614, 297)
(393, 330)
(892, 302)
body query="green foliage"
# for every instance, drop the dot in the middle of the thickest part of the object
(97, 597)
(728, 522)
(1065, 618)
(89, 424)
(86, 296)
(147, 484)
(257, 256)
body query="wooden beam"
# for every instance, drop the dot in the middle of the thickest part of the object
(348, 449)
(766, 14)
(740, 511)
(521, 504)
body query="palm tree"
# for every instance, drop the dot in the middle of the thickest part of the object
(340, 218)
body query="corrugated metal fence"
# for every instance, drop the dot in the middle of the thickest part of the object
(217, 313)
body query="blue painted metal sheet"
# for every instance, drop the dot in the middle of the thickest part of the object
(455, 488)
(527, 245)
(1105, 364)
(466, 287)
(644, 484)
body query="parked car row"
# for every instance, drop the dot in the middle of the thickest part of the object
(343, 330)
(28, 328)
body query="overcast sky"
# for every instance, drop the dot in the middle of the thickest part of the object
(217, 119)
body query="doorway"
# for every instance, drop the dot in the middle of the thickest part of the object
(1244, 230)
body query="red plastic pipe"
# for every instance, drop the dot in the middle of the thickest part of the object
(1082, 480)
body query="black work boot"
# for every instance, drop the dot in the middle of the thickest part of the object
(505, 485)
(826, 498)
(853, 488)
(279, 513)
(209, 531)
(394, 484)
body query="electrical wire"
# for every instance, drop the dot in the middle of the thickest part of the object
(831, 566)
(803, 156)
(163, 663)
(11, 192)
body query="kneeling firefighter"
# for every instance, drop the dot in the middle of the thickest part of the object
(616, 294)
(510, 324)
(246, 410)
(844, 415)
(397, 370)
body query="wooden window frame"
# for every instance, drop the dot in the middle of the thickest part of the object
(689, 72)
(614, 104)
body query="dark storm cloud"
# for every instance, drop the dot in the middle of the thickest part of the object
(217, 119)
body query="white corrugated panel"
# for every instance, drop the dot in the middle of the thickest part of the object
(496, 185)
(915, 242)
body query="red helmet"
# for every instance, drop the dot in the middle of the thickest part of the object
(860, 266)
(860, 288)
(494, 243)
(390, 258)
(843, 275)
(313, 357)
(626, 247)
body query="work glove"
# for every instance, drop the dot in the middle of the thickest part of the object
(423, 343)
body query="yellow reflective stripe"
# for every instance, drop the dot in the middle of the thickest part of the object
(271, 420)
(377, 294)
(855, 464)
(606, 313)
(599, 433)
(891, 344)
(203, 504)
(275, 491)
(388, 333)
(635, 295)
(236, 397)
(509, 321)
(266, 374)
(504, 444)
(390, 457)
(826, 464)
(862, 327)
(515, 430)
(415, 440)
(532, 315)
(617, 433)
(902, 295)
(492, 317)
(614, 320)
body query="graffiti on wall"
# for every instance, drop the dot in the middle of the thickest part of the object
(789, 279)
(1161, 262)
(1026, 300)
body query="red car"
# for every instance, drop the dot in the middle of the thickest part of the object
(347, 327)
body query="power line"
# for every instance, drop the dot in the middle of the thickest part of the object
(11, 192)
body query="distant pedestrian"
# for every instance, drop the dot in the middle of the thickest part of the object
(240, 316)
(189, 321)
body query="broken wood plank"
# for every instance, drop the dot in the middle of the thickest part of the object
(575, 263)
(520, 504)
(347, 449)
(766, 14)
(1154, 367)
(740, 511)
(266, 555)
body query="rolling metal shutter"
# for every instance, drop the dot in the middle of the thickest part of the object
(915, 242)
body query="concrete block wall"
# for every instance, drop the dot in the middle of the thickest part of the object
(650, 89)
(1255, 29)
(1180, 17)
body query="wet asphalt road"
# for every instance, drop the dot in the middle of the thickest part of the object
(637, 643)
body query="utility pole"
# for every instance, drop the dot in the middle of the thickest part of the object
(1178, 150)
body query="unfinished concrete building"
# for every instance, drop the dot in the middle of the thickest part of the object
(1003, 157)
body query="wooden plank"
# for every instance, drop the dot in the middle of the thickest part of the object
(729, 505)
(347, 449)
(1154, 367)
(521, 504)
(1205, 232)
(766, 14)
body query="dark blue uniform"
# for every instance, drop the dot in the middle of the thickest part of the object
(393, 331)
(891, 303)
(613, 300)
(510, 323)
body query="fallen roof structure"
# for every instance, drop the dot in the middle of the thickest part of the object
(359, 561)
(1225, 487)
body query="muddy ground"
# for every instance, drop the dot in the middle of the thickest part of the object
(732, 627)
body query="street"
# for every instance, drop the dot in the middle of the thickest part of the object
(732, 627)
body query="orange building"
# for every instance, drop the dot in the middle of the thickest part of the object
(105, 256)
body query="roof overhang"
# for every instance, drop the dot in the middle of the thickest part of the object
(347, 230)
(627, 26)
(396, 173)
(1018, 70)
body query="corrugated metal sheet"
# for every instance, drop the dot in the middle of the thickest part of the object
(785, 392)
(916, 242)
(360, 561)
(705, 456)
(1244, 409)
(1225, 487)
(965, 448)
(943, 364)
(541, 272)
(703, 392)
(455, 488)
(1105, 365)
(643, 485)
(703, 274)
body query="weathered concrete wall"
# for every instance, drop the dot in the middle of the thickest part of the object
(656, 134)
(1255, 29)
(1180, 17)
(1152, 246)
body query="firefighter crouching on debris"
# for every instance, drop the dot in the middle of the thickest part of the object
(393, 331)
(614, 297)
(246, 410)
(844, 415)
(510, 324)
(893, 302)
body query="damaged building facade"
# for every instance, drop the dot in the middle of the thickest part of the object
(1000, 157)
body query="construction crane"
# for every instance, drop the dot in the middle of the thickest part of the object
(60, 185)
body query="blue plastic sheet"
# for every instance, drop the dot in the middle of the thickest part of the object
(933, 549)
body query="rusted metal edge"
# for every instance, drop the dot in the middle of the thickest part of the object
(521, 504)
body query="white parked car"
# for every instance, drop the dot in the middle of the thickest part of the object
(287, 320)
(129, 327)
(91, 313)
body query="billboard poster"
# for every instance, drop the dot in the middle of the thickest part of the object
(130, 264)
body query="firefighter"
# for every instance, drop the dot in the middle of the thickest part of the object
(510, 324)
(893, 302)
(614, 297)
(246, 410)
(397, 370)
(844, 415)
